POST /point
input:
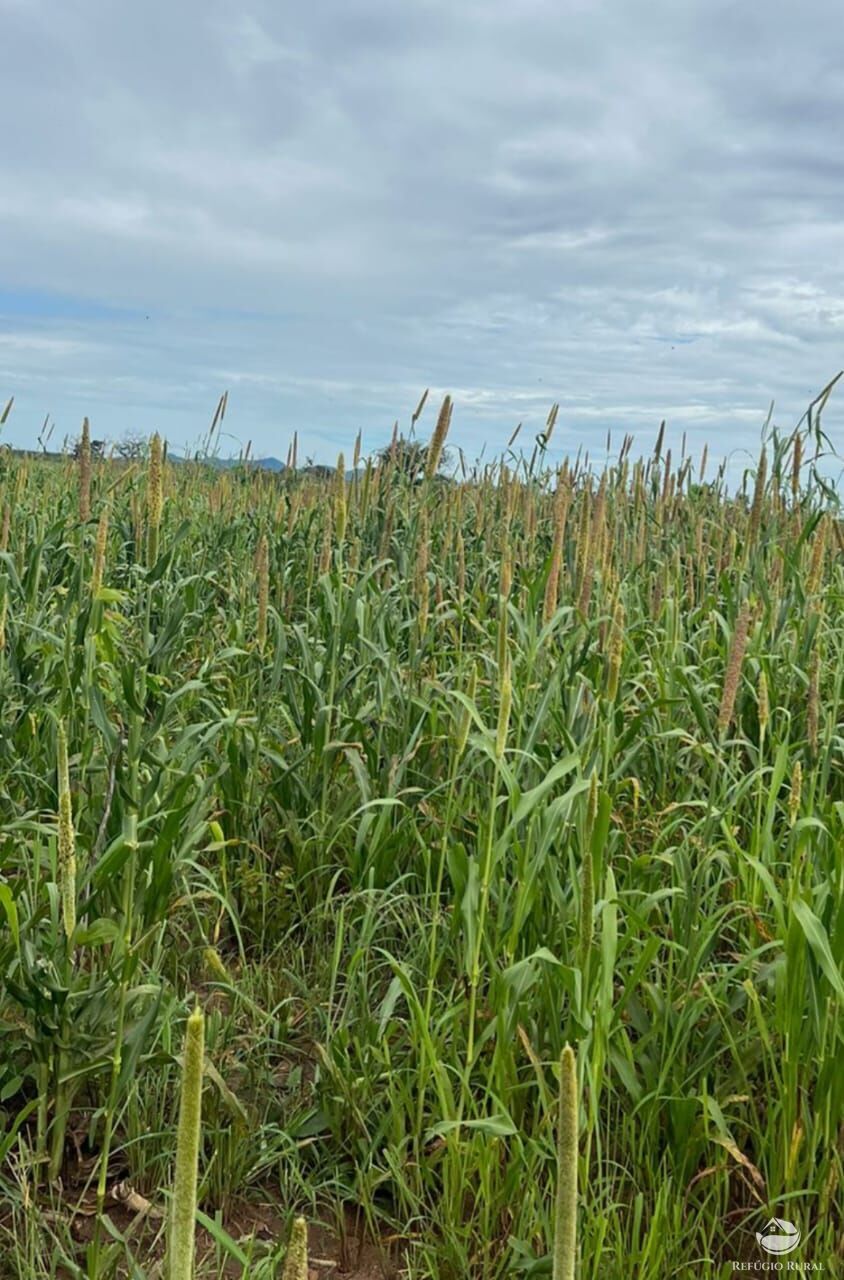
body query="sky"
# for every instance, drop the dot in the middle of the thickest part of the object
(633, 208)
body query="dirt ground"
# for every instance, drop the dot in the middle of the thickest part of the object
(354, 1258)
(351, 1258)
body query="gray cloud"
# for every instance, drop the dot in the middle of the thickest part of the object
(634, 209)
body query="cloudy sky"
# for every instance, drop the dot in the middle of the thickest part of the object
(635, 208)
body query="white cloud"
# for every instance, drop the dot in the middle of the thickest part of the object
(632, 209)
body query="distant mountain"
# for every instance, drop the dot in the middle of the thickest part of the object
(226, 464)
(221, 464)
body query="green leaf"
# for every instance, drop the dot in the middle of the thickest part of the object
(817, 939)
(224, 1240)
(532, 798)
(97, 934)
(10, 909)
(496, 1126)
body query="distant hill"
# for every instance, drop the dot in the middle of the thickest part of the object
(252, 464)
(226, 464)
(321, 470)
(223, 464)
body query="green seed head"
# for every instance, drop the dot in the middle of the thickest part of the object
(565, 1209)
(183, 1214)
(616, 652)
(587, 905)
(763, 704)
(504, 706)
(66, 839)
(296, 1260)
(592, 804)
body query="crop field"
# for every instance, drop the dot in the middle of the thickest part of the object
(388, 786)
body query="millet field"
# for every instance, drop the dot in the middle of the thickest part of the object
(333, 808)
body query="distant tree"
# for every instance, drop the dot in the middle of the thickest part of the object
(97, 448)
(132, 447)
(410, 457)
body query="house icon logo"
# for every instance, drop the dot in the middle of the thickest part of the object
(778, 1236)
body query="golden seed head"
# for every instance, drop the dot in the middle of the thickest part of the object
(816, 565)
(616, 652)
(796, 463)
(100, 552)
(325, 556)
(417, 413)
(262, 573)
(155, 497)
(85, 472)
(666, 482)
(506, 578)
(550, 422)
(340, 512)
(733, 672)
(586, 563)
(155, 481)
(435, 448)
(758, 495)
(562, 497)
(795, 792)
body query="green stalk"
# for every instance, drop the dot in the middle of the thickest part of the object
(475, 971)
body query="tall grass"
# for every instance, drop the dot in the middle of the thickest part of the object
(410, 783)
